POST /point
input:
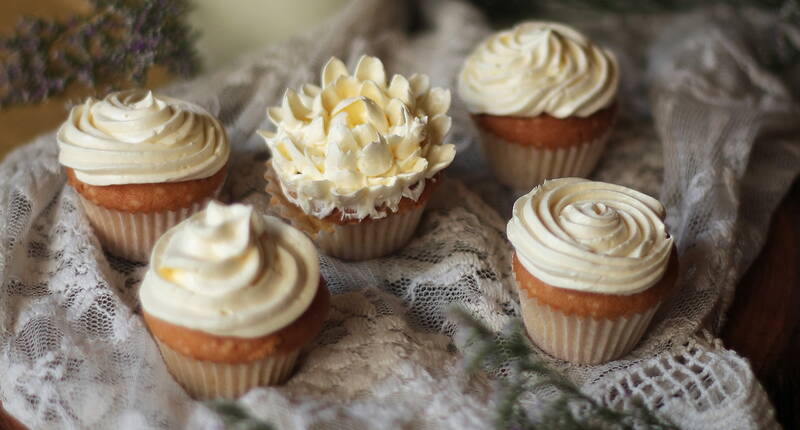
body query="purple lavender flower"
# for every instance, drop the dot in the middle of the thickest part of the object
(119, 41)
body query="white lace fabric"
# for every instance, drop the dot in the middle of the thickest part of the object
(74, 352)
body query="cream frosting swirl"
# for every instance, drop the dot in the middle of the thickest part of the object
(359, 143)
(536, 68)
(134, 137)
(230, 272)
(591, 236)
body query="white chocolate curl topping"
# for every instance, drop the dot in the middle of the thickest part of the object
(359, 143)
(135, 137)
(230, 272)
(537, 68)
(591, 236)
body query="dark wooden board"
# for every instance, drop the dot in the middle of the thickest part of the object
(764, 320)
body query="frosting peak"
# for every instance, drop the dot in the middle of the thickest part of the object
(134, 137)
(591, 236)
(231, 272)
(538, 67)
(359, 143)
(218, 252)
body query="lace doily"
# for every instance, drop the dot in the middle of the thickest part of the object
(74, 352)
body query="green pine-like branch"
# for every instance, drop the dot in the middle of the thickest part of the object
(572, 409)
(236, 417)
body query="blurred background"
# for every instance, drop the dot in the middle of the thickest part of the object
(54, 53)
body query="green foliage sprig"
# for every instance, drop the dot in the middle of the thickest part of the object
(119, 41)
(511, 353)
(236, 417)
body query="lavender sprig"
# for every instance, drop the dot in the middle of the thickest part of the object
(118, 42)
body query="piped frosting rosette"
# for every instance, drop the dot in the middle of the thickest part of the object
(136, 137)
(359, 143)
(591, 236)
(538, 67)
(230, 272)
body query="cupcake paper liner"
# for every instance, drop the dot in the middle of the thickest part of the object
(356, 241)
(209, 380)
(582, 339)
(522, 167)
(363, 241)
(132, 235)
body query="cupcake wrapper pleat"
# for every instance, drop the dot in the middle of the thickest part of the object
(132, 235)
(363, 241)
(522, 167)
(583, 339)
(209, 380)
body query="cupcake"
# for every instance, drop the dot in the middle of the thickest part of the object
(355, 160)
(543, 98)
(231, 297)
(592, 262)
(141, 163)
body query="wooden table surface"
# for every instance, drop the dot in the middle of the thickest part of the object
(763, 323)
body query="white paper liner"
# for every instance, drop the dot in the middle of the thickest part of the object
(132, 235)
(582, 339)
(523, 167)
(209, 380)
(363, 241)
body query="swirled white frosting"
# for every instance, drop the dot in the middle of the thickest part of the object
(135, 137)
(359, 143)
(230, 272)
(591, 236)
(536, 68)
